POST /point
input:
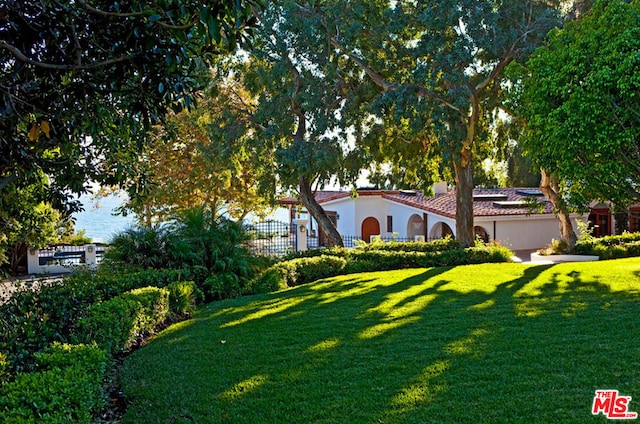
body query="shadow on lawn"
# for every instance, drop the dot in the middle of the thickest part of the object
(530, 347)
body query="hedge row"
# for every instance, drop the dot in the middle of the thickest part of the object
(66, 382)
(439, 245)
(30, 319)
(611, 247)
(299, 271)
(67, 387)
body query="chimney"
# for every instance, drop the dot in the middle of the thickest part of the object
(440, 188)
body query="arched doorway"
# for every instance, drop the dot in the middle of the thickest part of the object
(370, 227)
(415, 227)
(478, 231)
(440, 230)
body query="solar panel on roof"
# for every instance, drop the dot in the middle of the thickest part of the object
(530, 192)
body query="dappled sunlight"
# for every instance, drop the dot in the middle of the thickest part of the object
(422, 390)
(482, 305)
(466, 345)
(244, 388)
(463, 279)
(384, 327)
(272, 309)
(561, 288)
(324, 345)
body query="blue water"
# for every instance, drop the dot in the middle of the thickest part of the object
(101, 223)
(99, 219)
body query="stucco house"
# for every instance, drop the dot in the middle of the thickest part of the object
(503, 215)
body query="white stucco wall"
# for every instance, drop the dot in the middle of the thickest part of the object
(521, 232)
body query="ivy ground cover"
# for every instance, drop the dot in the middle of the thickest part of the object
(480, 343)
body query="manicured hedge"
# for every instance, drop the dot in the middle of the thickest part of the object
(119, 322)
(611, 247)
(66, 388)
(298, 271)
(30, 320)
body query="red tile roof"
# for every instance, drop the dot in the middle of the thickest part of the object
(445, 204)
(496, 202)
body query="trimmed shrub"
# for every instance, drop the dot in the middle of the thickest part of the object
(223, 286)
(154, 302)
(304, 270)
(111, 324)
(118, 323)
(269, 280)
(610, 247)
(184, 296)
(67, 387)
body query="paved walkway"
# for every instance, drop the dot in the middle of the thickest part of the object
(8, 287)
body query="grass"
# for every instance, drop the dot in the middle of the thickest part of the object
(480, 344)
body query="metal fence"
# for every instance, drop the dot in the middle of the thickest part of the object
(272, 238)
(67, 255)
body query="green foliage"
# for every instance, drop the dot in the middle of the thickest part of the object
(145, 247)
(26, 221)
(32, 319)
(66, 388)
(199, 243)
(112, 324)
(271, 279)
(184, 296)
(389, 256)
(4, 367)
(579, 99)
(119, 322)
(105, 70)
(223, 286)
(610, 247)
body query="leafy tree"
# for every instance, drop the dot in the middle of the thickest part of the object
(82, 81)
(199, 158)
(438, 68)
(301, 105)
(26, 221)
(580, 102)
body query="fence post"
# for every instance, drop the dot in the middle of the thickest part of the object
(33, 261)
(90, 255)
(301, 234)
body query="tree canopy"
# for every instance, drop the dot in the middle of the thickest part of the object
(81, 82)
(206, 158)
(437, 68)
(580, 102)
(301, 105)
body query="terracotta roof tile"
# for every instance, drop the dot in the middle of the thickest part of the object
(445, 204)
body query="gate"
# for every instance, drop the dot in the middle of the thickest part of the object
(272, 238)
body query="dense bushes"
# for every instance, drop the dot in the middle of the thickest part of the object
(65, 382)
(334, 261)
(214, 246)
(610, 247)
(66, 387)
(31, 320)
(117, 323)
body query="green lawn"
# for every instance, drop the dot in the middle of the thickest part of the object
(473, 344)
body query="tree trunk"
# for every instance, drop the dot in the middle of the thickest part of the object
(549, 187)
(464, 202)
(309, 201)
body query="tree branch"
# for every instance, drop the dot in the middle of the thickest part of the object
(23, 58)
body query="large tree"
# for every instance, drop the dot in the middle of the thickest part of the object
(82, 81)
(438, 68)
(580, 101)
(302, 108)
(206, 158)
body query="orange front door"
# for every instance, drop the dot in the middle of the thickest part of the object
(370, 227)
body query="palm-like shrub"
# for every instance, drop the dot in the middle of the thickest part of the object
(197, 239)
